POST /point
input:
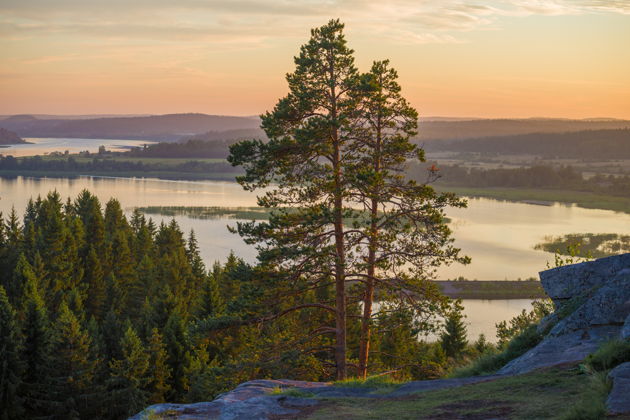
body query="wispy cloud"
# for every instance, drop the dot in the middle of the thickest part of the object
(254, 21)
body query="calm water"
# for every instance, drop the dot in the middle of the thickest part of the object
(44, 146)
(499, 236)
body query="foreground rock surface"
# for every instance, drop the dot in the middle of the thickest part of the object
(593, 305)
(619, 398)
(249, 400)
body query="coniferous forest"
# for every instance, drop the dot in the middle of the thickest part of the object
(101, 315)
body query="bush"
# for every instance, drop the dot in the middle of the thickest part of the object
(609, 355)
(491, 362)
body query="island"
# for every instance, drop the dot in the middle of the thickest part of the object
(9, 137)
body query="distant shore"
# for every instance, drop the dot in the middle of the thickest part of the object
(492, 289)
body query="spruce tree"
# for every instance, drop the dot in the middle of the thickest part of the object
(11, 364)
(159, 372)
(179, 356)
(37, 353)
(211, 303)
(94, 281)
(129, 376)
(73, 371)
(454, 340)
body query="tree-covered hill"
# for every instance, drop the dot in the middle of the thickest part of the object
(9, 137)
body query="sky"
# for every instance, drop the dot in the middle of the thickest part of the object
(457, 58)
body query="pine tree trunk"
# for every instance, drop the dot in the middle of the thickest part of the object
(368, 298)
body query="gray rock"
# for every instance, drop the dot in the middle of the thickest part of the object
(547, 323)
(249, 400)
(568, 348)
(618, 401)
(625, 331)
(566, 282)
(609, 305)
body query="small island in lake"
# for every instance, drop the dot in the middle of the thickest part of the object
(9, 137)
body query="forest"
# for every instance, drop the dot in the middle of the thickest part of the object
(586, 144)
(192, 148)
(538, 176)
(101, 315)
(110, 165)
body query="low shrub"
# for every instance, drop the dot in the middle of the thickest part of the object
(609, 354)
(490, 362)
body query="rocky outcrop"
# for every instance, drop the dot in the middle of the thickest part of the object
(253, 400)
(592, 305)
(572, 281)
(618, 401)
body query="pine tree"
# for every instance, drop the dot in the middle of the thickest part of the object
(11, 365)
(308, 131)
(453, 340)
(405, 236)
(159, 371)
(129, 376)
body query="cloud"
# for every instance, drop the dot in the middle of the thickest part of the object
(254, 22)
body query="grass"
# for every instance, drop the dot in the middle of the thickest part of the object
(591, 403)
(291, 392)
(581, 199)
(538, 395)
(380, 384)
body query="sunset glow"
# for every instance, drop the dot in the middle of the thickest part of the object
(502, 58)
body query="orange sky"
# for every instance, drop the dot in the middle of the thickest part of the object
(502, 58)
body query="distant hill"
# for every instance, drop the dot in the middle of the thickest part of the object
(173, 127)
(602, 144)
(452, 129)
(9, 137)
(169, 127)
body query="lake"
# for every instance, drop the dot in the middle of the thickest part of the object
(44, 146)
(498, 236)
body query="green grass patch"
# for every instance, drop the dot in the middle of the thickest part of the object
(291, 392)
(381, 383)
(591, 402)
(538, 395)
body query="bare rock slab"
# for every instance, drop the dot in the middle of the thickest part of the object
(619, 398)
